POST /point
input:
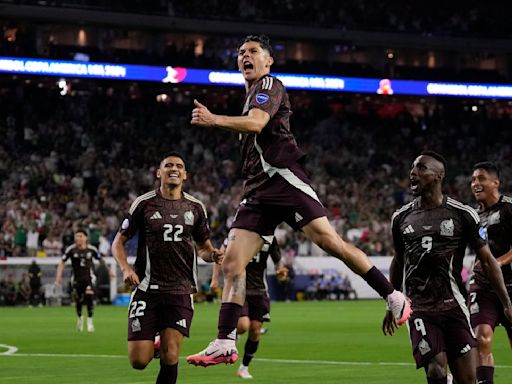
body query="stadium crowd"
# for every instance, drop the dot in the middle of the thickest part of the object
(81, 159)
(452, 19)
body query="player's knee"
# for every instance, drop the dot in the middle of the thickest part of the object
(169, 356)
(484, 342)
(436, 370)
(139, 363)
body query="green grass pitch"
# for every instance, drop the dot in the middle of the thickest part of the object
(311, 342)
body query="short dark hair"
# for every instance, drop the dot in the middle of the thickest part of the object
(81, 230)
(436, 156)
(263, 40)
(173, 154)
(489, 167)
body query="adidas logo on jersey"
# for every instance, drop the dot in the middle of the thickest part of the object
(298, 217)
(466, 349)
(408, 229)
(156, 216)
(182, 323)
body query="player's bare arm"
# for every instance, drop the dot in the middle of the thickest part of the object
(60, 269)
(395, 276)
(505, 259)
(209, 253)
(253, 122)
(493, 271)
(281, 272)
(119, 253)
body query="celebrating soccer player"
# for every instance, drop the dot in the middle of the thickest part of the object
(276, 189)
(430, 236)
(484, 305)
(170, 223)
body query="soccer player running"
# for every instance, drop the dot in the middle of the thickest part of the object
(256, 309)
(276, 189)
(484, 305)
(170, 224)
(430, 236)
(81, 254)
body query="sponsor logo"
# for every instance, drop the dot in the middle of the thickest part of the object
(174, 75)
(424, 347)
(174, 216)
(427, 227)
(447, 227)
(156, 216)
(408, 229)
(189, 218)
(136, 325)
(232, 334)
(298, 217)
(466, 349)
(182, 323)
(262, 98)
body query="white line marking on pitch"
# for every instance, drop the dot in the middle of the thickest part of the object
(10, 349)
(285, 361)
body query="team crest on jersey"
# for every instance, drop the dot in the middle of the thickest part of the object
(483, 233)
(262, 98)
(475, 308)
(125, 224)
(136, 325)
(424, 347)
(447, 227)
(494, 218)
(189, 218)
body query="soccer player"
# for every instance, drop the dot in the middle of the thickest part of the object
(256, 309)
(484, 305)
(430, 236)
(276, 189)
(81, 254)
(170, 224)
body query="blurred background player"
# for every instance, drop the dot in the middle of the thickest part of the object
(495, 212)
(276, 189)
(256, 309)
(170, 223)
(430, 237)
(35, 274)
(81, 254)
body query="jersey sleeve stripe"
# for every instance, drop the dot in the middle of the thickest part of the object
(192, 198)
(507, 199)
(399, 211)
(267, 83)
(467, 208)
(140, 199)
(69, 248)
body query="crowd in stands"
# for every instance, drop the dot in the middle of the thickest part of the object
(80, 160)
(457, 18)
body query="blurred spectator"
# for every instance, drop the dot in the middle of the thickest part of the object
(52, 246)
(24, 291)
(35, 274)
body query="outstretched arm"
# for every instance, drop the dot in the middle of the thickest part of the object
(253, 122)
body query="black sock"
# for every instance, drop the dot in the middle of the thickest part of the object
(228, 319)
(168, 374)
(485, 374)
(90, 305)
(250, 349)
(442, 380)
(378, 282)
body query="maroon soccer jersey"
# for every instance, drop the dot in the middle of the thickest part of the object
(166, 254)
(497, 220)
(275, 146)
(433, 243)
(82, 262)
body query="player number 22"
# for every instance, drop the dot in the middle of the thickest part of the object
(137, 309)
(173, 233)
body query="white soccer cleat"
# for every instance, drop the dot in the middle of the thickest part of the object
(218, 351)
(449, 378)
(80, 324)
(90, 325)
(400, 306)
(243, 372)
